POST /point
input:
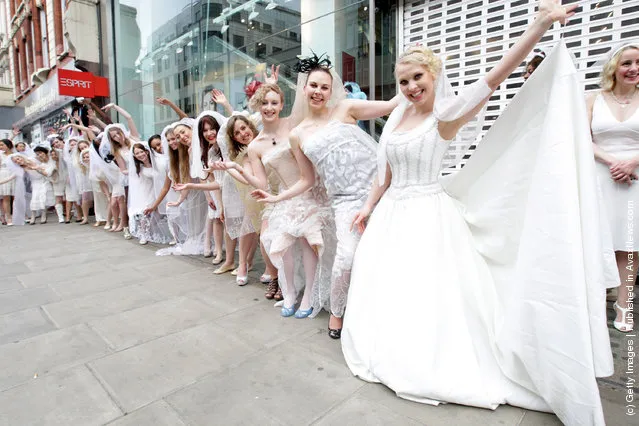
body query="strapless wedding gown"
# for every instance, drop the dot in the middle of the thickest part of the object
(495, 296)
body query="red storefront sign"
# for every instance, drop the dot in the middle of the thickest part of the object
(81, 84)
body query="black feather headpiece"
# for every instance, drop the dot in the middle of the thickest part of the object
(313, 62)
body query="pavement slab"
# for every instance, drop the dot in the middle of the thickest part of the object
(98, 330)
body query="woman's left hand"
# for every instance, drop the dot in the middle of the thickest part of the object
(263, 196)
(555, 11)
(621, 169)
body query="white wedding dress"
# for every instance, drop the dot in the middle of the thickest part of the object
(494, 295)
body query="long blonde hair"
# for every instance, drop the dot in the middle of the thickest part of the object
(607, 76)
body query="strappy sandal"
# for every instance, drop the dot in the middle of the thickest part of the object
(623, 325)
(278, 295)
(272, 289)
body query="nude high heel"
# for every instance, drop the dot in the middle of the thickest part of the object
(623, 325)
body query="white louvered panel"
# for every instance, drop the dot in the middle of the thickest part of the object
(474, 34)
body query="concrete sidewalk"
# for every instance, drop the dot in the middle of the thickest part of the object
(98, 330)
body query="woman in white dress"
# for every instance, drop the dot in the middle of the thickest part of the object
(145, 183)
(299, 227)
(59, 181)
(444, 332)
(41, 188)
(614, 118)
(6, 189)
(205, 149)
(328, 143)
(17, 165)
(189, 212)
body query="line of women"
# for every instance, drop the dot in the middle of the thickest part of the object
(484, 288)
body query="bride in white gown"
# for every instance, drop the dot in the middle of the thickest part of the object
(491, 316)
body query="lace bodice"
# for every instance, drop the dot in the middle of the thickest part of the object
(611, 134)
(344, 158)
(280, 164)
(415, 156)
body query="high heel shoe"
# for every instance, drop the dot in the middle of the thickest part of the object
(623, 326)
(334, 333)
(241, 281)
(287, 312)
(300, 314)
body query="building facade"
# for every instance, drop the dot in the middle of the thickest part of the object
(44, 36)
(474, 34)
(181, 49)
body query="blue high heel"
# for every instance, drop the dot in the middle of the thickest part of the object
(303, 314)
(287, 312)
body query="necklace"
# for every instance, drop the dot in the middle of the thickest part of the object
(626, 101)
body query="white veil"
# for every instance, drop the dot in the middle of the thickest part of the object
(447, 107)
(20, 192)
(106, 147)
(301, 110)
(139, 199)
(196, 149)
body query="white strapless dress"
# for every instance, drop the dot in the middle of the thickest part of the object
(495, 296)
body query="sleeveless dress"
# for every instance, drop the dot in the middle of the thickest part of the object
(152, 227)
(252, 220)
(344, 158)
(41, 188)
(60, 182)
(621, 140)
(306, 216)
(495, 296)
(6, 189)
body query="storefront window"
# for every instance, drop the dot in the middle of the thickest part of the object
(182, 49)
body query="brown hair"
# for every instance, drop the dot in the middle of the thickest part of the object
(204, 144)
(260, 94)
(179, 167)
(235, 147)
(138, 163)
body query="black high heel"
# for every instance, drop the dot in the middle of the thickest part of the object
(335, 333)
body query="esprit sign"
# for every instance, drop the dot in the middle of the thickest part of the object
(81, 84)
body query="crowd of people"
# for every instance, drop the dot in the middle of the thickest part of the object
(342, 222)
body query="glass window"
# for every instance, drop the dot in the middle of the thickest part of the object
(225, 44)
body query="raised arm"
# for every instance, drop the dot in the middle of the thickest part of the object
(93, 118)
(100, 115)
(81, 128)
(351, 110)
(170, 104)
(549, 12)
(129, 120)
(304, 183)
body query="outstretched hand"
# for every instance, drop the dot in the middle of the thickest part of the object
(149, 210)
(108, 107)
(263, 196)
(218, 97)
(173, 204)
(554, 10)
(275, 75)
(180, 186)
(162, 101)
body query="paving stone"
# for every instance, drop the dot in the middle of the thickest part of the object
(98, 305)
(149, 322)
(23, 324)
(94, 283)
(17, 300)
(9, 284)
(47, 353)
(142, 374)
(360, 411)
(256, 391)
(157, 414)
(71, 397)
